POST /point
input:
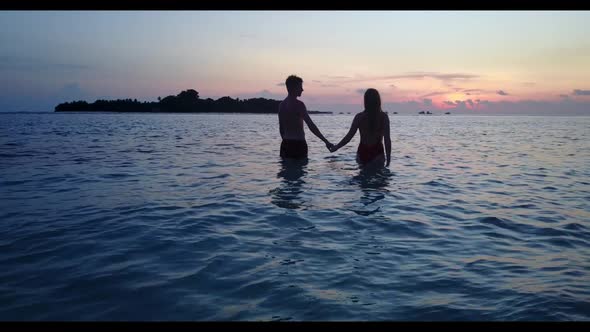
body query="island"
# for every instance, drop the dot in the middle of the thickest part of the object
(187, 101)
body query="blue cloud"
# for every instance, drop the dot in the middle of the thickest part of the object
(578, 92)
(337, 77)
(261, 94)
(473, 90)
(418, 75)
(25, 63)
(434, 94)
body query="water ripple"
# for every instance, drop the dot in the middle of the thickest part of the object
(181, 217)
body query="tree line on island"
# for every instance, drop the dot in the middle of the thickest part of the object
(187, 101)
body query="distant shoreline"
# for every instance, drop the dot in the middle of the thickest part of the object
(311, 112)
(185, 102)
(155, 112)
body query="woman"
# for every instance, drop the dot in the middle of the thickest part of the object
(373, 124)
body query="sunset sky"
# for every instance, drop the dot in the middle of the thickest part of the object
(522, 62)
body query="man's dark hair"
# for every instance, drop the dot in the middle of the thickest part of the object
(292, 81)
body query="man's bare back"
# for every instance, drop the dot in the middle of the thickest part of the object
(291, 114)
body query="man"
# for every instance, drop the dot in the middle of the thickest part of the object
(292, 113)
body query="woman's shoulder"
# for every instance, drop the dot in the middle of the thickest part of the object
(360, 116)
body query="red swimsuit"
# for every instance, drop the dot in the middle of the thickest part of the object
(368, 152)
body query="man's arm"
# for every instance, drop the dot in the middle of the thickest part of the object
(312, 126)
(281, 129)
(353, 128)
(387, 140)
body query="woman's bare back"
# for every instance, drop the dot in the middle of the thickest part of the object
(371, 136)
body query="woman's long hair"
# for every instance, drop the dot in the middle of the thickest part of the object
(372, 106)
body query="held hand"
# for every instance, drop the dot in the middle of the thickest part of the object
(329, 145)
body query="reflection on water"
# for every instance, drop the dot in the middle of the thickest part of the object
(291, 173)
(373, 182)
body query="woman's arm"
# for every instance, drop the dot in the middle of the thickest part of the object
(353, 128)
(387, 140)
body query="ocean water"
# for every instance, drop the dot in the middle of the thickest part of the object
(194, 217)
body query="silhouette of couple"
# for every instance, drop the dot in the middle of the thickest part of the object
(372, 123)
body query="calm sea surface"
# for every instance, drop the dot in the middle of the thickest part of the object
(194, 217)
